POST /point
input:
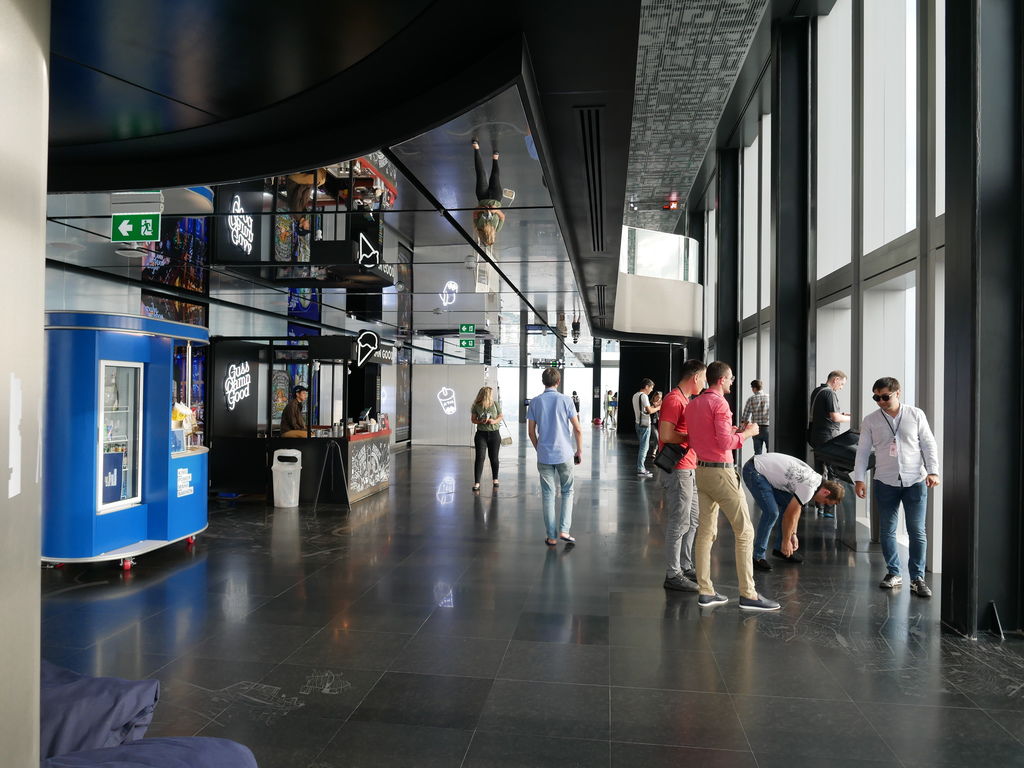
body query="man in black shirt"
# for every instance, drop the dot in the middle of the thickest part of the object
(826, 417)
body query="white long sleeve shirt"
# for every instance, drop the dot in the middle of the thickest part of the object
(917, 455)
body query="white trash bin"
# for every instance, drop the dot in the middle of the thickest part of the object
(286, 469)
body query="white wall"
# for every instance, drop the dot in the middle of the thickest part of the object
(641, 302)
(24, 41)
(430, 424)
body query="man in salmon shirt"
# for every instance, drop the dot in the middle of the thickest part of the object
(714, 437)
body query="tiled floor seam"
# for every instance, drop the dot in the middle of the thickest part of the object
(881, 738)
(732, 700)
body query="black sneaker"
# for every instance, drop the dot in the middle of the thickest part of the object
(920, 588)
(707, 601)
(891, 580)
(760, 564)
(690, 574)
(794, 558)
(760, 603)
(680, 584)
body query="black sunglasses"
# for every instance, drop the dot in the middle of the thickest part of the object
(884, 398)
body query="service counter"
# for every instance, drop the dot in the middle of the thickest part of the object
(343, 469)
(253, 380)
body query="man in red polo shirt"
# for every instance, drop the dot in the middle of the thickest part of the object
(714, 437)
(681, 511)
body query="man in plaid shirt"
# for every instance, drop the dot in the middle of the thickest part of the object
(756, 412)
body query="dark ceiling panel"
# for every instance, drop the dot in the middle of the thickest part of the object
(129, 111)
(229, 59)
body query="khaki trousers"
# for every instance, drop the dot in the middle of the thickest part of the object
(719, 488)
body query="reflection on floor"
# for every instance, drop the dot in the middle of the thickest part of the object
(432, 627)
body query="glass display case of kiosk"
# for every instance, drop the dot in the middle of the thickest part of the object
(125, 466)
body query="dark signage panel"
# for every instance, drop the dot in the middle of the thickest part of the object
(234, 389)
(239, 233)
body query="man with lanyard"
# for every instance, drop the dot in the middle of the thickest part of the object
(906, 466)
(682, 513)
(642, 410)
(714, 437)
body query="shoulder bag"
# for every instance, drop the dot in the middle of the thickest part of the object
(505, 432)
(669, 456)
(810, 415)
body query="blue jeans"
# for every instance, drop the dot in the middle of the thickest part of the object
(549, 475)
(643, 434)
(771, 501)
(915, 506)
(760, 440)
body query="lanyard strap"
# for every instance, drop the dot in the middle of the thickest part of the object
(895, 432)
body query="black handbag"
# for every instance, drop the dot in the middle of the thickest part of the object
(669, 456)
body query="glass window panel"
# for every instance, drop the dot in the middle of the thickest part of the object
(890, 120)
(835, 138)
(711, 274)
(747, 372)
(120, 434)
(649, 253)
(889, 312)
(749, 253)
(766, 211)
(940, 108)
(764, 370)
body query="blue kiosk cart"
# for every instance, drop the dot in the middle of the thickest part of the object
(126, 471)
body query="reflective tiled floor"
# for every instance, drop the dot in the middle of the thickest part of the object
(432, 627)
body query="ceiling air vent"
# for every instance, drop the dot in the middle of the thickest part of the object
(593, 163)
(601, 307)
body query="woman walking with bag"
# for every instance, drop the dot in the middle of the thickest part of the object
(486, 414)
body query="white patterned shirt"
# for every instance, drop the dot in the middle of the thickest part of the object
(917, 454)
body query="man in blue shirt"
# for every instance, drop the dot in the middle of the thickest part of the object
(549, 419)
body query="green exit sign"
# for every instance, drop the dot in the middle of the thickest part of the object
(467, 343)
(469, 328)
(134, 227)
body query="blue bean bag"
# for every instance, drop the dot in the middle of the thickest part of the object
(185, 752)
(77, 712)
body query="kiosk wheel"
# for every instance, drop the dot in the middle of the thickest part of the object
(126, 563)
(190, 541)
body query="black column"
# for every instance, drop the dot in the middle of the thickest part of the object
(727, 307)
(524, 358)
(981, 505)
(790, 285)
(598, 409)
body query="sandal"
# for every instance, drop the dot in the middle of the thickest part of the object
(475, 142)
(567, 539)
(496, 483)
(551, 542)
(476, 486)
